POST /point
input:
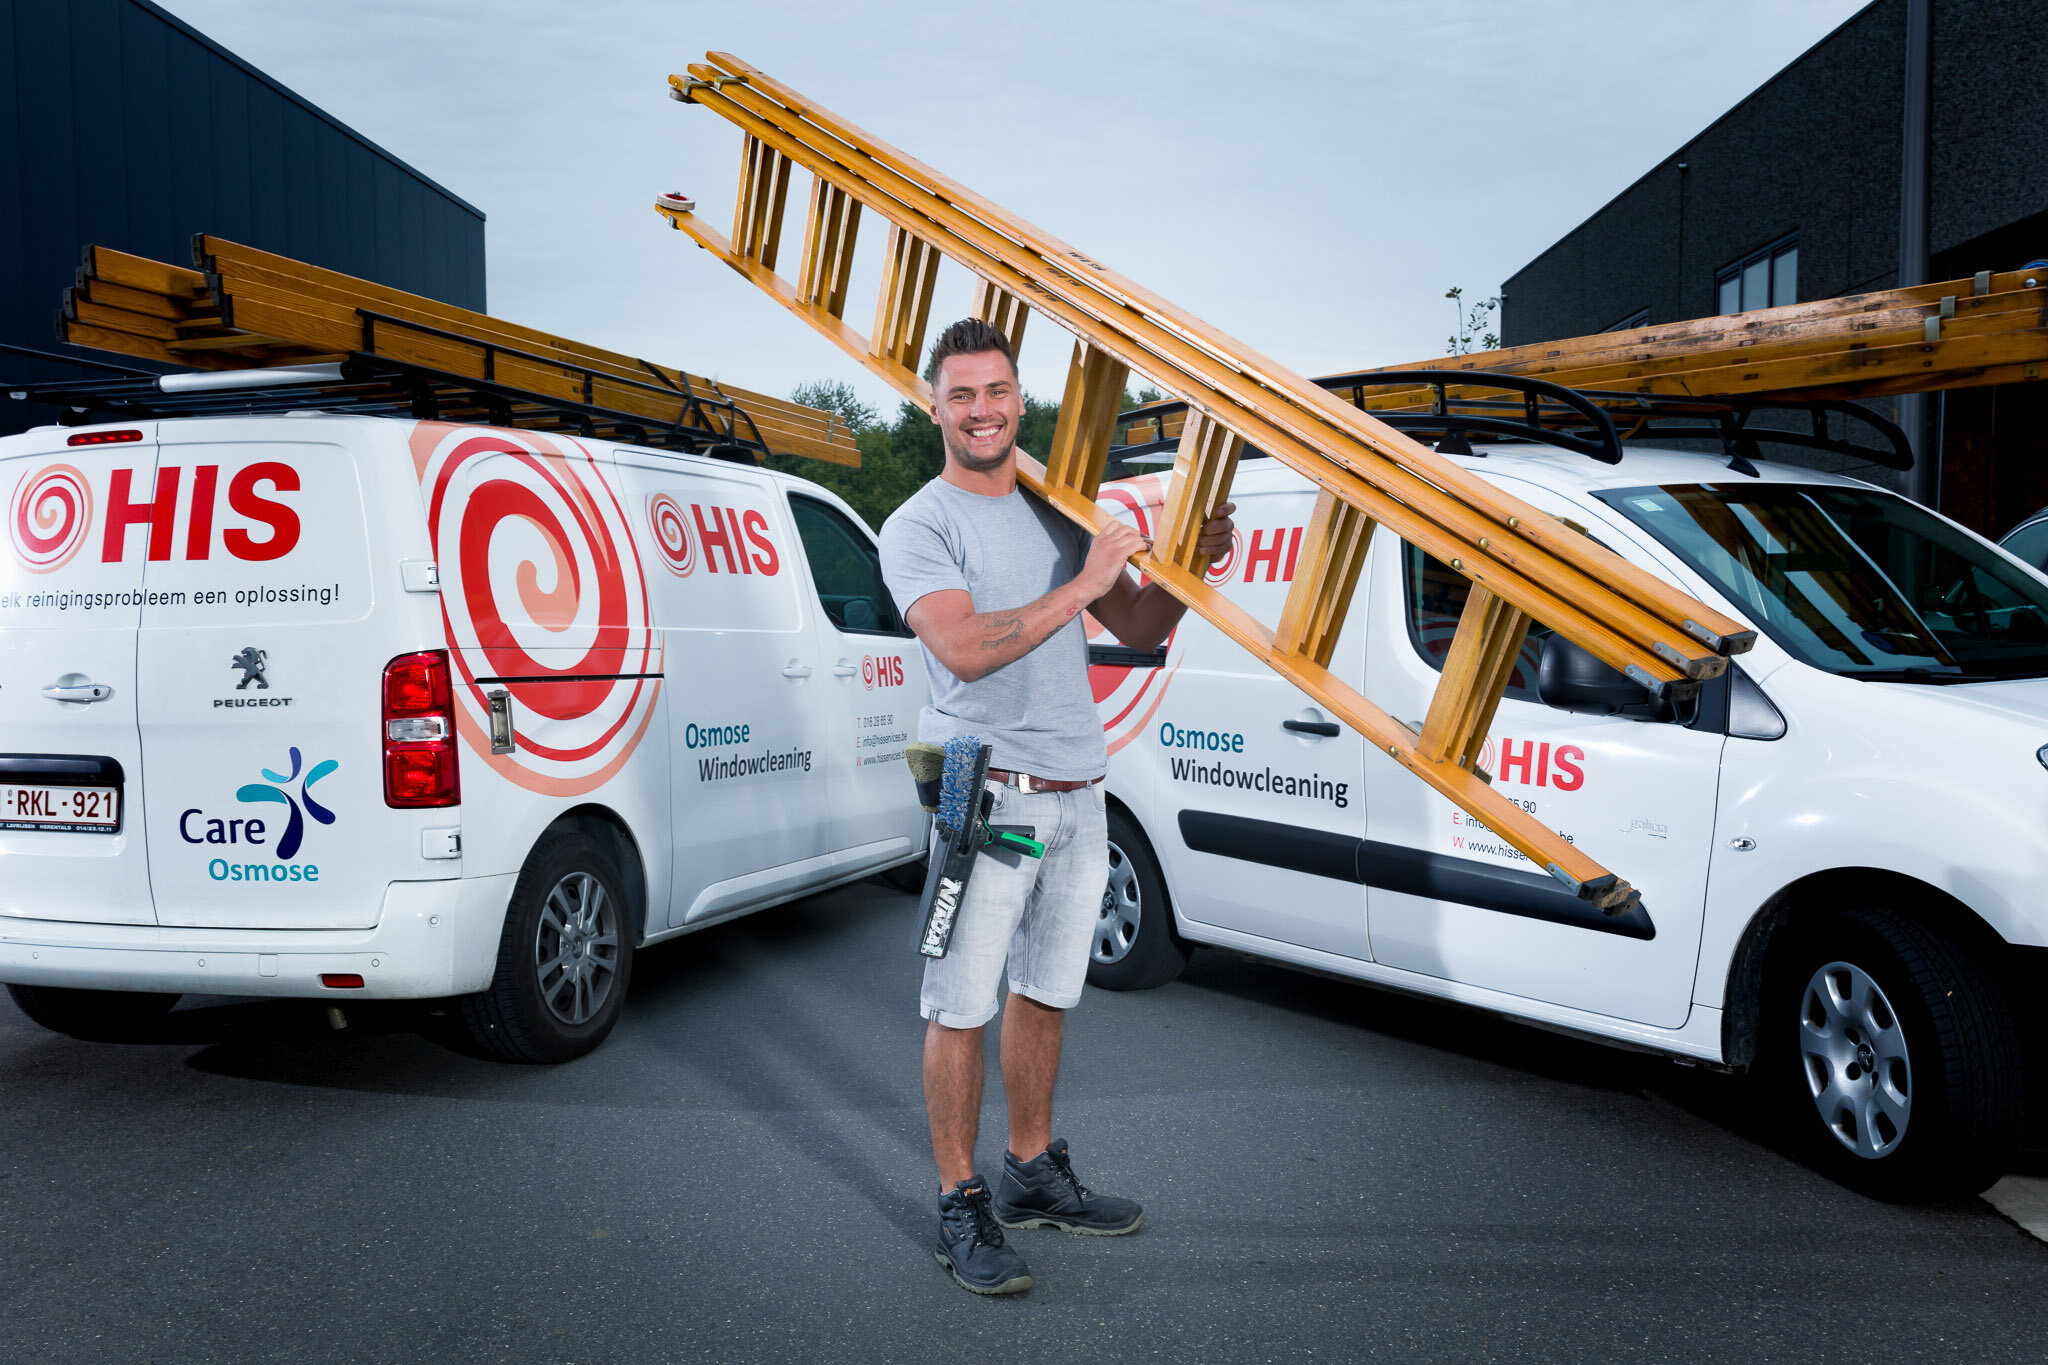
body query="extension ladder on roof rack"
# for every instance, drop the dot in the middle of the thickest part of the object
(1991, 328)
(246, 310)
(1523, 564)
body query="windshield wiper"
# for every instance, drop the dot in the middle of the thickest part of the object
(1920, 675)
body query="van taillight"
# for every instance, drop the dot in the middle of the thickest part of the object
(104, 438)
(419, 731)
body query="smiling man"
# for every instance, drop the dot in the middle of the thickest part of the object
(994, 583)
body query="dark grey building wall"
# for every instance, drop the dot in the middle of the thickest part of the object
(1816, 151)
(122, 126)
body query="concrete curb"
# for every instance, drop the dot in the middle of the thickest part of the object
(2024, 1199)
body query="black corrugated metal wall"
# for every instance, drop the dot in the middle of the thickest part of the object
(122, 126)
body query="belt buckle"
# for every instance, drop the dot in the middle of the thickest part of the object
(1027, 784)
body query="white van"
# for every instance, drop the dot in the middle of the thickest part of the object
(350, 707)
(1842, 847)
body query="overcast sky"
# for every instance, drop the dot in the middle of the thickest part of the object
(1308, 177)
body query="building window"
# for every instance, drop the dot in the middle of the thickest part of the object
(1764, 279)
(1639, 318)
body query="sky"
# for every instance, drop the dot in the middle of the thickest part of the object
(1309, 177)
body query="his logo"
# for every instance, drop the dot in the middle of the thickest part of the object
(1534, 763)
(252, 662)
(49, 518)
(295, 827)
(881, 670)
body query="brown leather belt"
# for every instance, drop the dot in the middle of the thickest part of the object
(1026, 783)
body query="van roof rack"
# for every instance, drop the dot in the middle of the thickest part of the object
(369, 386)
(269, 334)
(1591, 422)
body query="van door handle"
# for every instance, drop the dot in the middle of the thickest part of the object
(843, 669)
(78, 692)
(796, 670)
(1328, 729)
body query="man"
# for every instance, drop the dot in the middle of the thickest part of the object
(994, 583)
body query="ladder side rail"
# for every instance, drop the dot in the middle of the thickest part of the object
(857, 168)
(1612, 572)
(1541, 601)
(1665, 661)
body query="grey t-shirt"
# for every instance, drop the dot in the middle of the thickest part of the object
(1004, 552)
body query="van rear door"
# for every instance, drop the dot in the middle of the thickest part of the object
(261, 668)
(82, 515)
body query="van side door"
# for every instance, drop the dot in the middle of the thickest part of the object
(748, 694)
(1450, 900)
(878, 686)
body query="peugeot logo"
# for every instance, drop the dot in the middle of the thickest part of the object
(252, 661)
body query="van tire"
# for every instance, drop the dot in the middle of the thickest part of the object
(1961, 1051)
(96, 1016)
(1156, 953)
(513, 1020)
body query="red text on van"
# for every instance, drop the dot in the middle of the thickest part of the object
(722, 540)
(159, 512)
(1539, 765)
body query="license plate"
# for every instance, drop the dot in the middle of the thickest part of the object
(62, 810)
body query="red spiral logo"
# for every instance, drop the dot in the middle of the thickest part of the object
(49, 517)
(672, 534)
(540, 585)
(1219, 567)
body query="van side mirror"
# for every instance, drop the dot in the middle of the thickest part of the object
(1570, 679)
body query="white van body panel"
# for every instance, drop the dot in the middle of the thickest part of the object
(267, 582)
(1938, 784)
(69, 608)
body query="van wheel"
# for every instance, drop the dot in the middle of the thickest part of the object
(97, 1016)
(1895, 1056)
(564, 958)
(1136, 946)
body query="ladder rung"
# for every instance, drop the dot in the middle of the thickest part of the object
(909, 271)
(1088, 409)
(1476, 672)
(757, 216)
(1326, 572)
(1203, 469)
(1002, 310)
(830, 231)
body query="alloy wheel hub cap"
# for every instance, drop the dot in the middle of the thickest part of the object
(1852, 1049)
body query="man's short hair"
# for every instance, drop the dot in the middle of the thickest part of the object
(970, 336)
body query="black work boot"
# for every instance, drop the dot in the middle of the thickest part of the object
(971, 1243)
(1044, 1193)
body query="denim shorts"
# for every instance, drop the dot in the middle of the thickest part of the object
(1036, 916)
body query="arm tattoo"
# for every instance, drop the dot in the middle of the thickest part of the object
(1012, 628)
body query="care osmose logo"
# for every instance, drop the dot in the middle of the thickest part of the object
(247, 836)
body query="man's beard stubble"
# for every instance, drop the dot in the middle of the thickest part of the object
(968, 461)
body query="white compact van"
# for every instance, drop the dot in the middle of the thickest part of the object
(350, 707)
(1842, 846)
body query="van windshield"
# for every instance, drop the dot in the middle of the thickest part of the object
(1853, 580)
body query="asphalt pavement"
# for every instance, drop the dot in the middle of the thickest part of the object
(741, 1173)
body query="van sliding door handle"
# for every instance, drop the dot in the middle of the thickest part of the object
(843, 669)
(796, 670)
(1326, 728)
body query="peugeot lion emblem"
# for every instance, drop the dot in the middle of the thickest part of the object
(252, 661)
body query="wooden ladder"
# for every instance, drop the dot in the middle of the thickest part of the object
(1523, 565)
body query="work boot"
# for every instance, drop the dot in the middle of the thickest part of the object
(971, 1243)
(1044, 1193)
